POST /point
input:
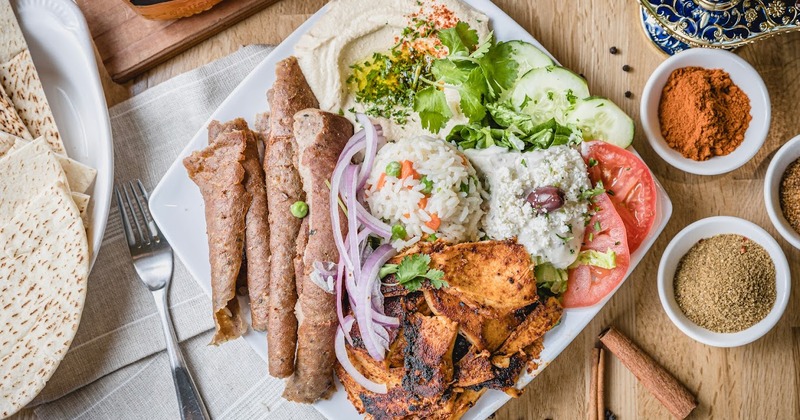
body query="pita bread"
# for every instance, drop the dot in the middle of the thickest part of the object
(21, 82)
(12, 42)
(79, 176)
(7, 142)
(82, 203)
(25, 172)
(10, 122)
(44, 265)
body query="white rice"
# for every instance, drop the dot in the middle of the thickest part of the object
(397, 202)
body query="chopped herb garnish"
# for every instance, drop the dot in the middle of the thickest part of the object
(593, 162)
(465, 187)
(413, 270)
(597, 226)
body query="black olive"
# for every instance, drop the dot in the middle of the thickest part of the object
(546, 199)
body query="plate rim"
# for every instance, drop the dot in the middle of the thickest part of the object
(101, 204)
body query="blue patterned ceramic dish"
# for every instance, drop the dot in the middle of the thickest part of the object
(675, 25)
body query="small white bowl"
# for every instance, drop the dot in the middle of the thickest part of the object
(787, 154)
(706, 228)
(742, 74)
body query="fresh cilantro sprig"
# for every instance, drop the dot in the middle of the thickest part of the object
(413, 270)
(479, 72)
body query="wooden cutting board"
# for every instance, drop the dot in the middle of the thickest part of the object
(130, 44)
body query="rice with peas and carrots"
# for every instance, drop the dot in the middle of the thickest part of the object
(429, 188)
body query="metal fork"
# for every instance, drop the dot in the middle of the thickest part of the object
(152, 259)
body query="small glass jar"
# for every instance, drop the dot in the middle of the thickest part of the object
(170, 9)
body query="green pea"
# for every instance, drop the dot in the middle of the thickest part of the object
(427, 183)
(393, 169)
(299, 209)
(398, 232)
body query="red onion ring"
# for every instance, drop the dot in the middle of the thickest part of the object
(344, 359)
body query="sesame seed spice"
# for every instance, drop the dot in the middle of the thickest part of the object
(725, 283)
(790, 194)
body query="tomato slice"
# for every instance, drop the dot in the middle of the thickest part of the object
(588, 284)
(630, 185)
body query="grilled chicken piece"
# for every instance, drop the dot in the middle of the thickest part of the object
(541, 320)
(423, 381)
(475, 368)
(429, 354)
(375, 371)
(482, 331)
(502, 377)
(495, 277)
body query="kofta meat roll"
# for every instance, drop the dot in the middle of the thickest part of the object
(289, 94)
(218, 172)
(320, 137)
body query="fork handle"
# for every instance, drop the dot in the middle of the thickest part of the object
(190, 402)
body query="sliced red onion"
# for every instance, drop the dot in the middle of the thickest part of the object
(322, 275)
(373, 223)
(344, 359)
(364, 310)
(352, 222)
(371, 149)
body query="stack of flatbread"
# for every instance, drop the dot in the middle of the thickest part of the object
(25, 114)
(44, 251)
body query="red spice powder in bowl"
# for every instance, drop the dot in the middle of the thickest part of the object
(705, 111)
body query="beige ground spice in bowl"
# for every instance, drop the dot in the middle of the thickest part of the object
(724, 281)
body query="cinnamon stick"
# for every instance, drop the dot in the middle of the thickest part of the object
(593, 385)
(601, 374)
(675, 397)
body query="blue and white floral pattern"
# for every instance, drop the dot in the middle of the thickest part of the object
(716, 23)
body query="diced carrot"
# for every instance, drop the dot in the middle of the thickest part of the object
(381, 181)
(434, 222)
(407, 169)
(423, 203)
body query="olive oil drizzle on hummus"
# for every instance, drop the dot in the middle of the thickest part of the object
(387, 83)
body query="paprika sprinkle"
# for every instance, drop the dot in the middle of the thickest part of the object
(703, 113)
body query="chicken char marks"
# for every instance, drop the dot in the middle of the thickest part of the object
(454, 343)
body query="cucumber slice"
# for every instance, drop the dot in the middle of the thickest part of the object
(548, 92)
(528, 56)
(600, 119)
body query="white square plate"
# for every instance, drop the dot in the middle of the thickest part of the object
(62, 52)
(177, 207)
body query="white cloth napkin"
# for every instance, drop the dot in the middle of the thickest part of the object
(117, 367)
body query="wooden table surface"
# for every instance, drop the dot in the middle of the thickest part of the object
(757, 381)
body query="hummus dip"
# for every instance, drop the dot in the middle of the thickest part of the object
(352, 31)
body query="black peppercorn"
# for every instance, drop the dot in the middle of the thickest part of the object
(613, 50)
(628, 94)
(626, 68)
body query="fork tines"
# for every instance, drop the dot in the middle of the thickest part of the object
(136, 208)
